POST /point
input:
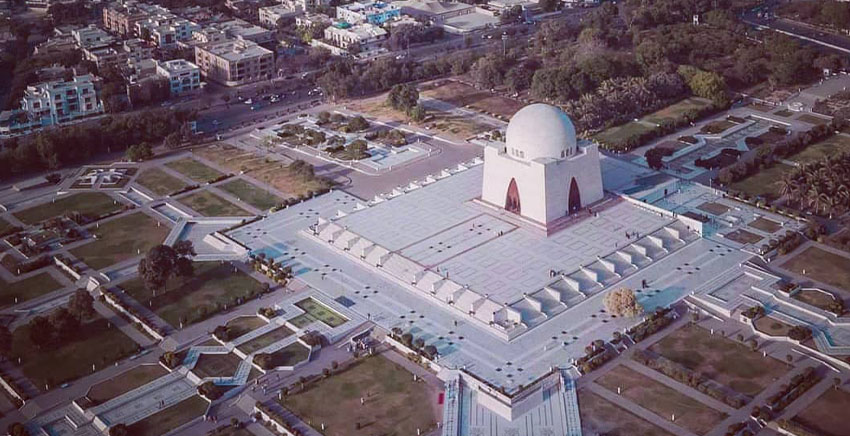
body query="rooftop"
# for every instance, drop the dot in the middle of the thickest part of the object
(235, 50)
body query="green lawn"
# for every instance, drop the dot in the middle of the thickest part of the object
(171, 418)
(617, 134)
(94, 204)
(208, 204)
(251, 194)
(676, 110)
(826, 148)
(159, 182)
(216, 365)
(194, 170)
(27, 289)
(121, 239)
(825, 415)
(320, 312)
(265, 340)
(764, 183)
(244, 324)
(821, 265)
(813, 119)
(661, 400)
(720, 359)
(765, 225)
(4, 225)
(194, 299)
(395, 405)
(100, 343)
(290, 355)
(607, 418)
(125, 382)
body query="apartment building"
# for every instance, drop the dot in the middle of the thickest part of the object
(121, 17)
(165, 30)
(91, 37)
(183, 76)
(373, 13)
(234, 62)
(270, 15)
(59, 101)
(234, 29)
(354, 38)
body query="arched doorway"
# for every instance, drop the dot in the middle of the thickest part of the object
(575, 197)
(512, 203)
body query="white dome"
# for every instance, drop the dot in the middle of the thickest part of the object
(540, 131)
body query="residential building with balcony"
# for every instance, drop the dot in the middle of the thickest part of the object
(58, 102)
(356, 38)
(234, 62)
(183, 76)
(374, 13)
(270, 15)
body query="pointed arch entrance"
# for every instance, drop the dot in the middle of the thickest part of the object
(575, 197)
(512, 203)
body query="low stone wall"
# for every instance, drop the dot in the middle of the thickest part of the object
(274, 420)
(111, 299)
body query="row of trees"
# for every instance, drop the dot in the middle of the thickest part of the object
(54, 148)
(63, 323)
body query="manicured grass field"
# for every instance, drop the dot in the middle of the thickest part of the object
(269, 171)
(772, 326)
(461, 94)
(159, 182)
(812, 119)
(265, 340)
(661, 400)
(764, 183)
(395, 405)
(194, 170)
(676, 110)
(93, 204)
(320, 312)
(819, 299)
(290, 354)
(744, 237)
(208, 204)
(605, 417)
(821, 265)
(618, 134)
(829, 147)
(244, 324)
(826, 415)
(251, 194)
(765, 225)
(125, 382)
(717, 127)
(99, 343)
(121, 239)
(194, 299)
(4, 225)
(713, 208)
(216, 365)
(171, 418)
(27, 289)
(231, 431)
(720, 359)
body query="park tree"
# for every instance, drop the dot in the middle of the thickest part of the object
(81, 304)
(548, 5)
(119, 430)
(403, 97)
(41, 331)
(139, 152)
(163, 262)
(65, 325)
(622, 302)
(17, 429)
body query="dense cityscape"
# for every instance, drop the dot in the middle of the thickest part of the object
(424, 217)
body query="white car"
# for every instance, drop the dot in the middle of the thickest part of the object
(248, 101)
